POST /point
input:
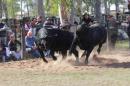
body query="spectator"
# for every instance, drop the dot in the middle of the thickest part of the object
(27, 26)
(3, 52)
(30, 43)
(12, 45)
(39, 24)
(113, 30)
(33, 22)
(1, 25)
(33, 26)
(66, 25)
(87, 20)
(48, 23)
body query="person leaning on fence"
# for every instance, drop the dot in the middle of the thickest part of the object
(12, 45)
(31, 46)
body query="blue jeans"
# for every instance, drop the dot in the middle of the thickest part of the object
(3, 55)
(47, 53)
(35, 53)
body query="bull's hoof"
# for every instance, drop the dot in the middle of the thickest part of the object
(45, 60)
(77, 61)
(86, 62)
(54, 59)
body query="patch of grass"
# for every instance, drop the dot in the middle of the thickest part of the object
(122, 44)
(90, 77)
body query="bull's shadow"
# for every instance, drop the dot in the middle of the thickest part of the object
(103, 62)
(119, 65)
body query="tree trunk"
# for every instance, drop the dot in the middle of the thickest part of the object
(106, 7)
(98, 10)
(109, 5)
(21, 8)
(5, 11)
(23, 48)
(60, 14)
(1, 9)
(62, 11)
(117, 9)
(27, 3)
(79, 7)
(40, 8)
(72, 13)
(106, 24)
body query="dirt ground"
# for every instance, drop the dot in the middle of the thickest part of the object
(107, 69)
(112, 59)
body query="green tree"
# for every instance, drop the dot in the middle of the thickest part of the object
(13, 7)
(41, 11)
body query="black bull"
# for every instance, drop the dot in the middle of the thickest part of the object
(58, 40)
(88, 38)
(128, 32)
(55, 41)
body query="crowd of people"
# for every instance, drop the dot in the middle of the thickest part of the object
(31, 26)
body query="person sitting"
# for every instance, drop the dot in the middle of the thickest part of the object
(12, 45)
(2, 25)
(31, 45)
(3, 56)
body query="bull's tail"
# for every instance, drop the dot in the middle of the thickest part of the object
(73, 45)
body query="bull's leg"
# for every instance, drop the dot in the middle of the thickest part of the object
(64, 54)
(52, 54)
(99, 48)
(88, 54)
(76, 54)
(42, 55)
(129, 41)
(84, 53)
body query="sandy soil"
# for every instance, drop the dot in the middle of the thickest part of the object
(112, 59)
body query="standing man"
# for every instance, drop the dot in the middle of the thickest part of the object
(113, 30)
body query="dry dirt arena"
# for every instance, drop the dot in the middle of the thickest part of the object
(107, 69)
(119, 58)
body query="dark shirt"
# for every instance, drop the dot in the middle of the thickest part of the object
(87, 21)
(2, 47)
(48, 23)
(1, 25)
(39, 25)
(13, 45)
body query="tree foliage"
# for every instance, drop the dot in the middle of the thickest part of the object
(51, 6)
